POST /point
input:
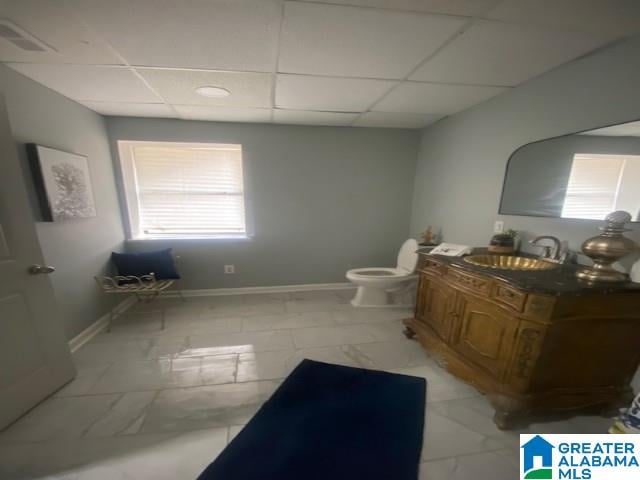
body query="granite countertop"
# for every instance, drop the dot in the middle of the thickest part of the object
(561, 280)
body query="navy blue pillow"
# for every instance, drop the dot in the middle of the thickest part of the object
(159, 262)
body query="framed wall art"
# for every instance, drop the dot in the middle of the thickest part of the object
(63, 183)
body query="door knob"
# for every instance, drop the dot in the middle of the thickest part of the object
(37, 269)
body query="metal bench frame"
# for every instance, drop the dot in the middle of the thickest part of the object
(146, 288)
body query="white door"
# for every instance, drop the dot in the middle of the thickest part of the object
(34, 355)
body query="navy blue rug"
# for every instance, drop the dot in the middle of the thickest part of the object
(332, 423)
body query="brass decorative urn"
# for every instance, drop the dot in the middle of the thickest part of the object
(607, 248)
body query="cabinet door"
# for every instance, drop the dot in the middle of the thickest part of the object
(485, 335)
(437, 305)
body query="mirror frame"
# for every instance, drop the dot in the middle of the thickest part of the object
(504, 178)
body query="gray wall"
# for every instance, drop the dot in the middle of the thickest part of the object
(323, 200)
(462, 159)
(78, 249)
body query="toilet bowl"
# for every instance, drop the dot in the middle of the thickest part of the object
(376, 284)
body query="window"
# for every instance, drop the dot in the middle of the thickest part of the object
(594, 185)
(183, 190)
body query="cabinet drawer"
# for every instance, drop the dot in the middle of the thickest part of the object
(430, 265)
(509, 296)
(471, 282)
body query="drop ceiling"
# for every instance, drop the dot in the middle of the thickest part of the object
(364, 63)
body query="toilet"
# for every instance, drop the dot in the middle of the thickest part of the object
(375, 284)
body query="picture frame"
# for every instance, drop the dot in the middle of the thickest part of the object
(62, 182)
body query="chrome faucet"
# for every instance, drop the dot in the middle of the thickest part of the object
(556, 253)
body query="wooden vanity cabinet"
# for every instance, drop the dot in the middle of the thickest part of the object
(531, 353)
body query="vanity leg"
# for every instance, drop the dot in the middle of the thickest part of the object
(509, 413)
(408, 331)
(506, 420)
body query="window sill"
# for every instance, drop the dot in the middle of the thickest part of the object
(203, 239)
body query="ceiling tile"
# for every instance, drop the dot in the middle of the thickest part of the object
(131, 109)
(303, 92)
(614, 17)
(396, 120)
(84, 82)
(494, 53)
(53, 24)
(359, 42)
(313, 118)
(411, 97)
(224, 114)
(178, 86)
(451, 7)
(221, 34)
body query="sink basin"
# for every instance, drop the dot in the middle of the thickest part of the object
(506, 262)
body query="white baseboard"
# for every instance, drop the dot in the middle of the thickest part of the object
(99, 325)
(275, 289)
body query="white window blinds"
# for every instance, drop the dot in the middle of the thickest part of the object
(184, 190)
(593, 187)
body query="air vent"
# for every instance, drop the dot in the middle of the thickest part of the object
(22, 39)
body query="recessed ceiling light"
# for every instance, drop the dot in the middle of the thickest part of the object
(213, 92)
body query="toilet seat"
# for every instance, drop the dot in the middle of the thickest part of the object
(381, 272)
(389, 277)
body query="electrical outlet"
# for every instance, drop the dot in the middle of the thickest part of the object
(229, 269)
(498, 226)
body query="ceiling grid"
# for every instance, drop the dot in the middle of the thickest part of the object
(365, 63)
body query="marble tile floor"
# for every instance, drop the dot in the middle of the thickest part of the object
(152, 404)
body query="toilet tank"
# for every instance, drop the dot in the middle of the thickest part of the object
(407, 256)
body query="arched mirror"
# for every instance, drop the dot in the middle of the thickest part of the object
(584, 175)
